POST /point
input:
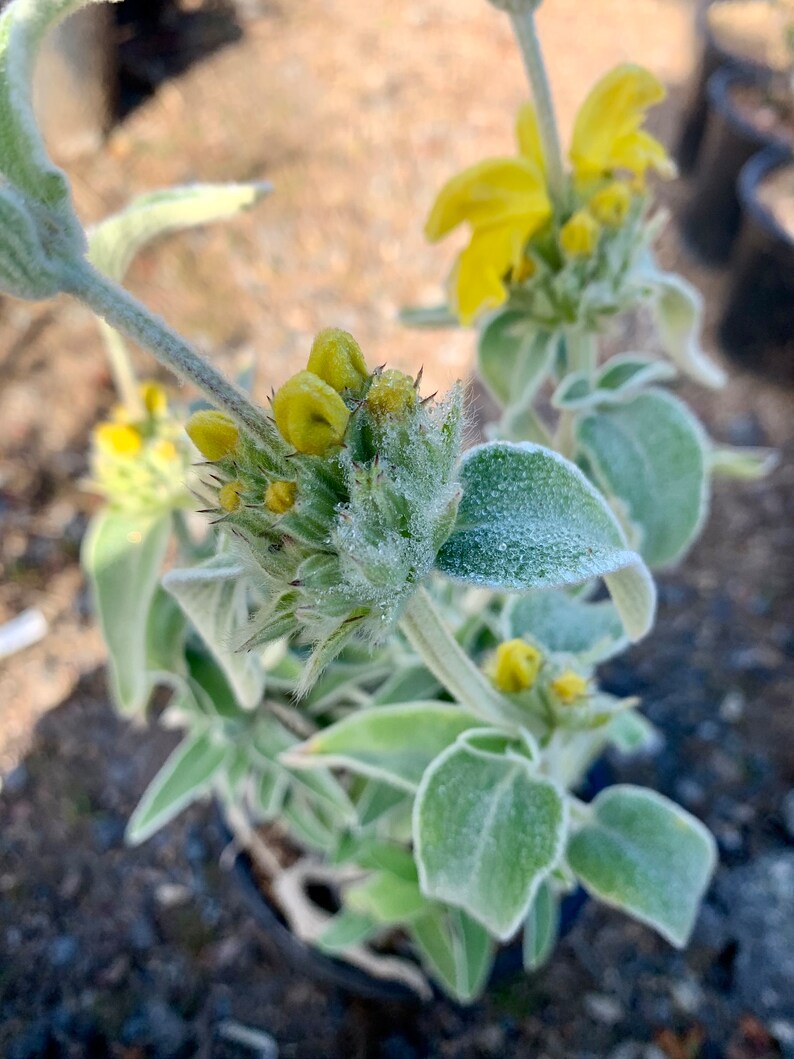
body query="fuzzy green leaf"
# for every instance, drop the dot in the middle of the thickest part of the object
(390, 743)
(122, 555)
(26, 270)
(644, 854)
(559, 622)
(541, 928)
(386, 899)
(186, 775)
(345, 930)
(650, 454)
(456, 951)
(530, 519)
(513, 357)
(487, 830)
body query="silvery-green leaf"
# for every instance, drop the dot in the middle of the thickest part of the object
(114, 242)
(390, 743)
(213, 595)
(186, 775)
(630, 733)
(574, 392)
(562, 623)
(270, 789)
(345, 930)
(386, 899)
(748, 464)
(647, 856)
(513, 357)
(626, 373)
(541, 928)
(432, 317)
(487, 830)
(26, 270)
(650, 454)
(678, 312)
(122, 555)
(530, 519)
(455, 949)
(408, 685)
(165, 634)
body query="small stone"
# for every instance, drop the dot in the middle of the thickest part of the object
(732, 706)
(63, 950)
(169, 895)
(687, 995)
(603, 1008)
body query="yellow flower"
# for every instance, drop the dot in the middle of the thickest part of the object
(213, 433)
(229, 496)
(280, 496)
(337, 359)
(310, 414)
(610, 204)
(165, 450)
(569, 686)
(118, 439)
(504, 200)
(579, 234)
(515, 666)
(154, 398)
(607, 134)
(391, 393)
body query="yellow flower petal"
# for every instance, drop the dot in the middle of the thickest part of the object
(280, 496)
(528, 135)
(391, 393)
(213, 433)
(515, 666)
(478, 278)
(610, 204)
(337, 359)
(310, 414)
(118, 439)
(229, 496)
(154, 398)
(579, 234)
(491, 192)
(606, 133)
(569, 686)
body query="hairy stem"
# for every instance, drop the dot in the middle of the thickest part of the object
(527, 37)
(448, 662)
(125, 313)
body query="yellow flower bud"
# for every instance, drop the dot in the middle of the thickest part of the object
(515, 666)
(165, 450)
(569, 686)
(310, 414)
(229, 496)
(610, 205)
(213, 433)
(337, 359)
(391, 393)
(154, 399)
(579, 235)
(118, 439)
(280, 496)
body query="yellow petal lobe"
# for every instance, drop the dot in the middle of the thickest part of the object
(610, 204)
(213, 433)
(310, 414)
(579, 234)
(569, 686)
(154, 398)
(229, 496)
(515, 666)
(118, 439)
(280, 496)
(391, 393)
(337, 359)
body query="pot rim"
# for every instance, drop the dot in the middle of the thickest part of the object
(729, 58)
(718, 92)
(751, 174)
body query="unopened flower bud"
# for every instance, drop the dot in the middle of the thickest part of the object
(310, 414)
(579, 234)
(515, 666)
(118, 439)
(569, 686)
(337, 359)
(280, 496)
(610, 205)
(391, 393)
(229, 497)
(213, 433)
(154, 399)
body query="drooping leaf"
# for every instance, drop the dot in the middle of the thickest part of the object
(390, 743)
(186, 775)
(213, 595)
(630, 732)
(747, 464)
(650, 454)
(513, 357)
(122, 555)
(487, 830)
(455, 949)
(541, 928)
(563, 623)
(345, 930)
(114, 242)
(647, 856)
(530, 519)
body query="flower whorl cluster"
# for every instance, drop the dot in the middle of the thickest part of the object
(139, 462)
(342, 509)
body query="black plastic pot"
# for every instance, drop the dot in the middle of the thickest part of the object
(711, 220)
(712, 58)
(757, 325)
(325, 970)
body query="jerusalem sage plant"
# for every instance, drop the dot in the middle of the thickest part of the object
(381, 646)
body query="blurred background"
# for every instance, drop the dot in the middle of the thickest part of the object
(358, 113)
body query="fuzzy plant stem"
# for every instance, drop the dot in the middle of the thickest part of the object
(527, 37)
(432, 640)
(125, 313)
